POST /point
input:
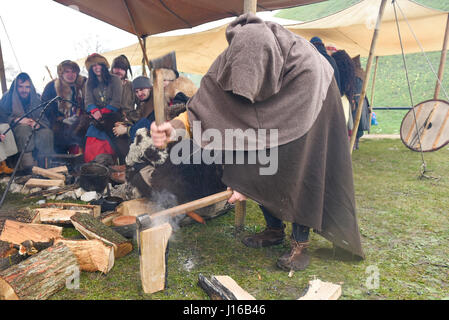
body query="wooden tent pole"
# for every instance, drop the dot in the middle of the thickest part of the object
(2, 72)
(144, 69)
(372, 92)
(142, 46)
(367, 74)
(249, 6)
(442, 61)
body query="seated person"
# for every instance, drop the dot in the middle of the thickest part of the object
(120, 67)
(8, 145)
(143, 114)
(64, 116)
(20, 99)
(102, 101)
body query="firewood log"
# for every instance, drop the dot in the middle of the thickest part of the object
(48, 174)
(92, 255)
(39, 276)
(92, 228)
(18, 232)
(223, 288)
(57, 216)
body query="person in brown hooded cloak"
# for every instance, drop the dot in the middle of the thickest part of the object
(271, 79)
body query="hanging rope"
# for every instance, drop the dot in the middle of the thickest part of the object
(423, 52)
(10, 43)
(418, 133)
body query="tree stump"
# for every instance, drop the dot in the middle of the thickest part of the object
(39, 276)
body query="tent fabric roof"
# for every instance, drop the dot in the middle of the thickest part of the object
(350, 29)
(156, 16)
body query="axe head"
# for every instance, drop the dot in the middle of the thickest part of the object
(167, 61)
(143, 222)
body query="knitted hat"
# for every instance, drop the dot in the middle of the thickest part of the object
(67, 63)
(142, 82)
(316, 40)
(122, 62)
(95, 58)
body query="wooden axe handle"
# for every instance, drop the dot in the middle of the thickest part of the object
(158, 96)
(193, 205)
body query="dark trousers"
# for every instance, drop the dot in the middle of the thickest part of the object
(299, 233)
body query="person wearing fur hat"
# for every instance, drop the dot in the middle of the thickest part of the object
(120, 67)
(102, 101)
(64, 116)
(20, 99)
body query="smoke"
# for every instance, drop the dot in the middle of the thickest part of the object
(162, 200)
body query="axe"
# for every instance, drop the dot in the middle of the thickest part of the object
(153, 234)
(167, 61)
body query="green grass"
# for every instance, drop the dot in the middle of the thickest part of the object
(403, 221)
(391, 89)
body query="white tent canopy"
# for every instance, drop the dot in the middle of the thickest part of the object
(350, 29)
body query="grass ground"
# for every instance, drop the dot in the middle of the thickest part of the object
(403, 221)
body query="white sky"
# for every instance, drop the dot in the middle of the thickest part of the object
(44, 33)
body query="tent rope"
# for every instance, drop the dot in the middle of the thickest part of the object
(423, 52)
(423, 162)
(10, 43)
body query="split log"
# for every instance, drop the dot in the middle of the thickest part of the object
(48, 174)
(61, 169)
(39, 276)
(44, 183)
(319, 290)
(46, 193)
(8, 255)
(92, 228)
(92, 255)
(153, 244)
(57, 216)
(94, 209)
(223, 288)
(17, 232)
(23, 215)
(136, 207)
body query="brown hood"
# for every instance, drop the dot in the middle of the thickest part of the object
(281, 76)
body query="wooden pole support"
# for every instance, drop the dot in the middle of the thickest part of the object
(373, 92)
(367, 74)
(442, 61)
(250, 6)
(2, 72)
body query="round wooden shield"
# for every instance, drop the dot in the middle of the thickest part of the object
(430, 131)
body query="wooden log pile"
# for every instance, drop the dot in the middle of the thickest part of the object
(35, 259)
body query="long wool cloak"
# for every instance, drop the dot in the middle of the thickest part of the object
(269, 78)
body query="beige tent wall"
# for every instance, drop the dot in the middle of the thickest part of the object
(350, 29)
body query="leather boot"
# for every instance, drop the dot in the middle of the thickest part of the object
(4, 168)
(296, 259)
(268, 237)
